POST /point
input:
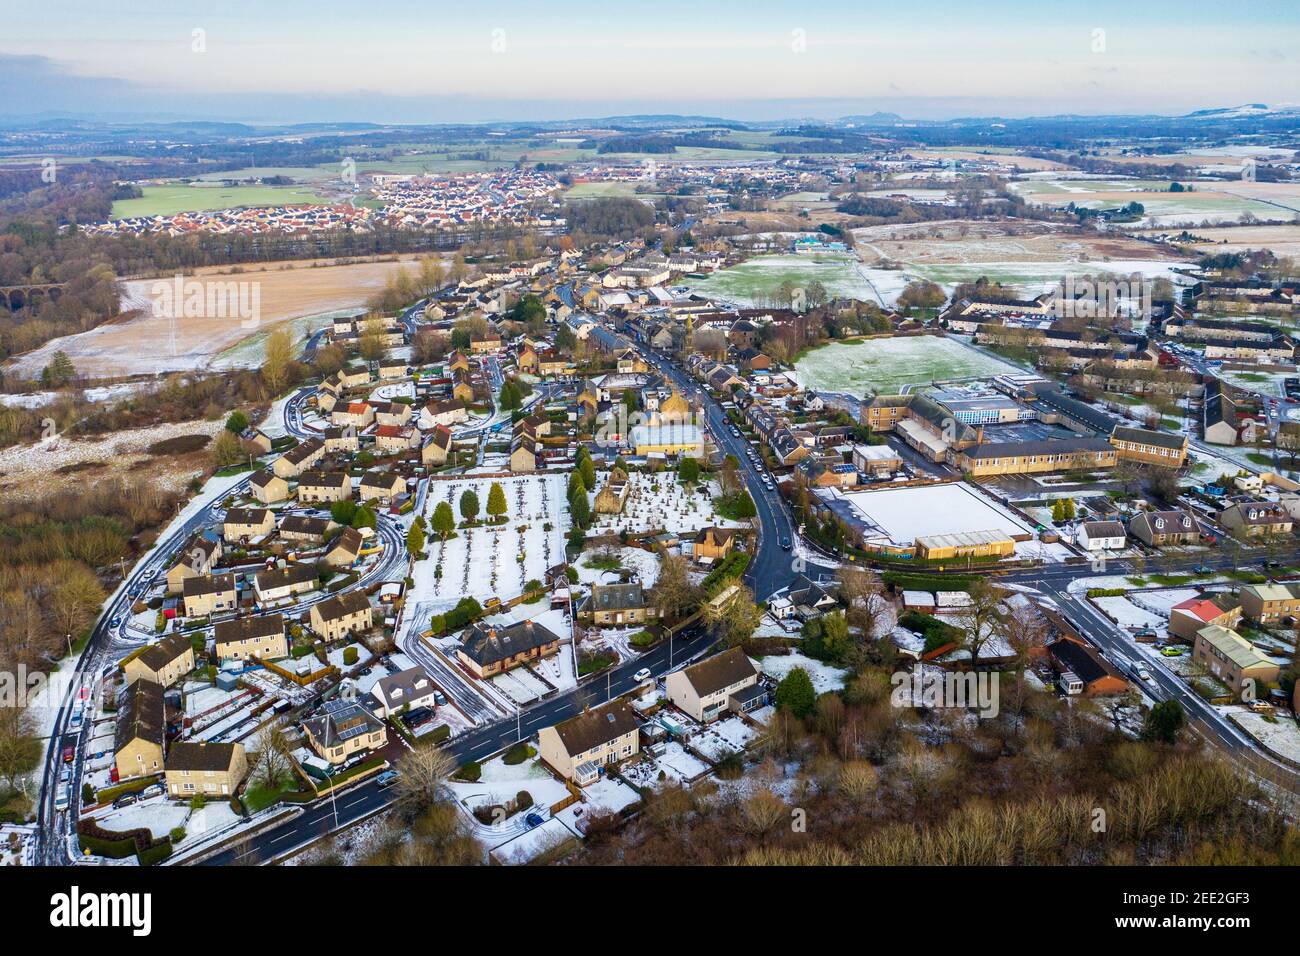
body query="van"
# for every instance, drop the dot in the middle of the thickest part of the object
(63, 799)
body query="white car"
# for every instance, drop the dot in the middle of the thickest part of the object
(642, 675)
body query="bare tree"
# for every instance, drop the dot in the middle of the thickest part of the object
(422, 776)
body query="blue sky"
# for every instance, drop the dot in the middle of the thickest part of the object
(403, 61)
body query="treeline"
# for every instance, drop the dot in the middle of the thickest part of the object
(611, 216)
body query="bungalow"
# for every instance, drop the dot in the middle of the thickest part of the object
(164, 662)
(268, 487)
(488, 650)
(1101, 536)
(207, 769)
(280, 584)
(251, 638)
(343, 614)
(343, 728)
(141, 732)
(206, 595)
(324, 486)
(1156, 528)
(403, 691)
(726, 681)
(247, 524)
(381, 485)
(1256, 519)
(1081, 670)
(579, 748)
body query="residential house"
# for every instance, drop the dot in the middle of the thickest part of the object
(1256, 519)
(343, 614)
(196, 768)
(344, 550)
(268, 487)
(251, 638)
(403, 691)
(1157, 528)
(324, 486)
(208, 594)
(448, 413)
(620, 605)
(247, 524)
(437, 447)
(1188, 617)
(304, 529)
(488, 650)
(198, 557)
(726, 681)
(579, 748)
(163, 662)
(280, 584)
(1235, 661)
(343, 728)
(1081, 670)
(1270, 603)
(299, 458)
(713, 544)
(342, 439)
(1101, 535)
(141, 731)
(383, 486)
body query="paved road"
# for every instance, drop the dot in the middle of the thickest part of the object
(774, 566)
(361, 801)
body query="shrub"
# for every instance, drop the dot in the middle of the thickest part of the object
(177, 834)
(523, 800)
(349, 655)
(470, 772)
(517, 754)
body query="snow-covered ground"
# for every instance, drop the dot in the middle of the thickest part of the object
(1127, 614)
(825, 677)
(643, 563)
(660, 501)
(1281, 735)
(486, 561)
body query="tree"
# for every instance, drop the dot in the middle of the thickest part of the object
(364, 517)
(422, 775)
(981, 617)
(496, 503)
(469, 505)
(864, 600)
(509, 398)
(20, 748)
(444, 522)
(673, 593)
(271, 761)
(75, 597)
(226, 449)
(736, 618)
(580, 510)
(59, 372)
(1165, 722)
(577, 485)
(415, 539)
(795, 693)
(237, 422)
(372, 342)
(277, 361)
(342, 512)
(1070, 511)
(587, 468)
(688, 470)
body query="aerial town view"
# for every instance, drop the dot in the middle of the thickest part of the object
(594, 437)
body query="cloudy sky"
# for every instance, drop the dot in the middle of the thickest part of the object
(407, 61)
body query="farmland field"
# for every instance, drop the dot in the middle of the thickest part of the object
(147, 343)
(1282, 241)
(168, 200)
(885, 366)
(1210, 201)
(755, 281)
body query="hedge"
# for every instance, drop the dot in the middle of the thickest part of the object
(730, 568)
(936, 632)
(109, 794)
(119, 845)
(911, 581)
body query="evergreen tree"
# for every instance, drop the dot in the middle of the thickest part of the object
(796, 694)
(496, 503)
(444, 522)
(415, 539)
(469, 505)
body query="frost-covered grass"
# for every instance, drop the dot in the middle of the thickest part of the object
(756, 280)
(660, 501)
(825, 677)
(884, 366)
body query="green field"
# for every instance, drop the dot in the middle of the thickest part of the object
(168, 200)
(755, 281)
(884, 366)
(605, 190)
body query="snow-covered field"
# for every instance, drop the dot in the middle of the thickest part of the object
(825, 677)
(660, 501)
(643, 563)
(1127, 614)
(494, 561)
(884, 366)
(1282, 735)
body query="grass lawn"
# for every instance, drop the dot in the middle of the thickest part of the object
(884, 366)
(167, 200)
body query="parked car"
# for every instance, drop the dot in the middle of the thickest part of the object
(534, 820)
(155, 790)
(125, 800)
(641, 675)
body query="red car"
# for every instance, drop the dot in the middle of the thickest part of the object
(68, 754)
